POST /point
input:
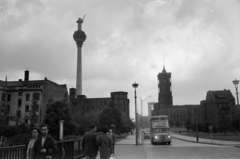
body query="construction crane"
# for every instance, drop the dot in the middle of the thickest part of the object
(142, 100)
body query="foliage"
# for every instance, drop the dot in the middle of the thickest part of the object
(235, 123)
(225, 122)
(188, 125)
(20, 139)
(128, 124)
(111, 116)
(171, 123)
(86, 120)
(18, 134)
(33, 113)
(59, 111)
(9, 131)
(3, 114)
(178, 124)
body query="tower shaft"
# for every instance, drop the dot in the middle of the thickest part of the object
(79, 36)
(79, 71)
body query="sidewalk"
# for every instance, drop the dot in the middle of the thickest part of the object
(205, 141)
(126, 148)
(128, 140)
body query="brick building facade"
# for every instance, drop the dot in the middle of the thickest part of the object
(83, 105)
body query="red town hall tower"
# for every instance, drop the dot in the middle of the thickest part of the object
(164, 89)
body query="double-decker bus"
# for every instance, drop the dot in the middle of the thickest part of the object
(159, 129)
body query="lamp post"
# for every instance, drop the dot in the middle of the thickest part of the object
(236, 82)
(196, 117)
(135, 85)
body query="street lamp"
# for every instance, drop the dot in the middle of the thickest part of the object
(236, 82)
(135, 85)
(196, 117)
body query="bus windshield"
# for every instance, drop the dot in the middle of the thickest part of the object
(161, 130)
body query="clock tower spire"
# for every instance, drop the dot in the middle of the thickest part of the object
(164, 88)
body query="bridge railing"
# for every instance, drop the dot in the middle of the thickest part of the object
(67, 149)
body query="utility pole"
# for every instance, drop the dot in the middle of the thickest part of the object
(142, 109)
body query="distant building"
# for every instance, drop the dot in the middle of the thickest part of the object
(151, 108)
(83, 105)
(217, 102)
(17, 97)
(164, 89)
(208, 110)
(177, 114)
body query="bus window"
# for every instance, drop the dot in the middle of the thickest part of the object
(152, 119)
(163, 118)
(165, 129)
(161, 130)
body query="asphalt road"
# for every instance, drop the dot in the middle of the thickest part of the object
(177, 150)
(187, 150)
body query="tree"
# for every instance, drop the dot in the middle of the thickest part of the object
(171, 123)
(59, 111)
(111, 116)
(128, 124)
(33, 113)
(188, 125)
(178, 124)
(3, 114)
(225, 122)
(86, 120)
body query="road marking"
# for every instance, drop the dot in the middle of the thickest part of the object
(146, 152)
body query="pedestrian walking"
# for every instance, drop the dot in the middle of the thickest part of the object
(105, 144)
(30, 143)
(113, 138)
(45, 145)
(90, 142)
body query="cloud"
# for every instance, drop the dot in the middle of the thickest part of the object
(127, 42)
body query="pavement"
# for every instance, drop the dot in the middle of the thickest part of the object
(125, 148)
(205, 141)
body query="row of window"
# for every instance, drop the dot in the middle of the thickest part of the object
(99, 102)
(88, 108)
(176, 111)
(120, 96)
(36, 96)
(34, 85)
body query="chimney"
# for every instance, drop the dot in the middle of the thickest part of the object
(26, 76)
(72, 93)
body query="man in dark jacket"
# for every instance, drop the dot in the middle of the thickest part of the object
(90, 143)
(45, 145)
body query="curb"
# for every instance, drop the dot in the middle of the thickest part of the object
(238, 146)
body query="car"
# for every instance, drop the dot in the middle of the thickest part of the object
(146, 135)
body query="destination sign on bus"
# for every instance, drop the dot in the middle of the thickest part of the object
(157, 124)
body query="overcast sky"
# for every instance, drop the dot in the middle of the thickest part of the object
(127, 41)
